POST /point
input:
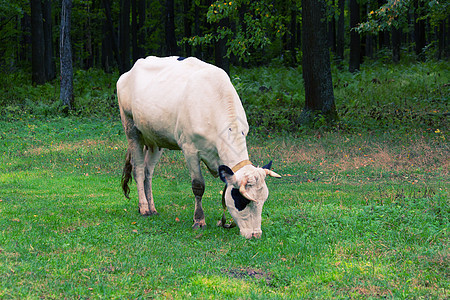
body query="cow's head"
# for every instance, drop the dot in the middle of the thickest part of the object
(245, 195)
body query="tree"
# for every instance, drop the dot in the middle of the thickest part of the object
(396, 43)
(171, 41)
(395, 14)
(332, 31)
(11, 33)
(112, 32)
(419, 29)
(49, 61)
(124, 34)
(340, 34)
(319, 96)
(244, 26)
(134, 30)
(141, 32)
(37, 43)
(66, 92)
(355, 40)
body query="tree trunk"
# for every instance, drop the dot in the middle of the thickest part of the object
(25, 37)
(439, 34)
(293, 44)
(88, 61)
(49, 61)
(369, 38)
(340, 35)
(187, 22)
(383, 36)
(107, 46)
(137, 25)
(441, 37)
(114, 41)
(171, 41)
(355, 40)
(124, 34)
(197, 30)
(332, 32)
(419, 31)
(37, 43)
(396, 43)
(134, 30)
(65, 51)
(142, 32)
(319, 97)
(220, 49)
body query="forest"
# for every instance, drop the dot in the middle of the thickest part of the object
(50, 39)
(349, 100)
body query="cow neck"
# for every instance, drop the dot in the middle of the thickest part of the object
(230, 156)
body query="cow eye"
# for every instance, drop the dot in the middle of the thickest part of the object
(251, 182)
(243, 133)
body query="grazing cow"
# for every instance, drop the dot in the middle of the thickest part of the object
(189, 105)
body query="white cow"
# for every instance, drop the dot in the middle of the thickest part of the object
(189, 105)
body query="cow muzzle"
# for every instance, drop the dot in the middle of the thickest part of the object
(249, 234)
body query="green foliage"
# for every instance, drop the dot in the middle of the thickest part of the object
(394, 13)
(245, 25)
(378, 98)
(272, 96)
(10, 11)
(94, 92)
(401, 96)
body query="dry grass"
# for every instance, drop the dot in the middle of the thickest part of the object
(343, 154)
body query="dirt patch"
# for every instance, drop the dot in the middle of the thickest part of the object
(372, 291)
(248, 273)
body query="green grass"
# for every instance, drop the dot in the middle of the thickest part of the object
(341, 223)
(362, 210)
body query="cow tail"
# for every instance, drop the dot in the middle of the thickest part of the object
(126, 174)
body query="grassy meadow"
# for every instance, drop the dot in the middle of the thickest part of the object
(362, 210)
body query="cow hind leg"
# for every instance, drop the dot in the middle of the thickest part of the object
(152, 156)
(137, 152)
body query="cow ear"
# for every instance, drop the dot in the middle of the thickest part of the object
(268, 166)
(226, 174)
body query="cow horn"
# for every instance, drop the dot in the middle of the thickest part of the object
(243, 191)
(272, 173)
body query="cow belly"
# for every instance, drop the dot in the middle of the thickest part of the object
(159, 139)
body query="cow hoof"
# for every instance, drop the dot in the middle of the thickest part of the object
(148, 213)
(199, 224)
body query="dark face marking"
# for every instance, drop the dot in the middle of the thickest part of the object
(225, 172)
(240, 202)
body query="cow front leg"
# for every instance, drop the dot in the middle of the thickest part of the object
(198, 183)
(198, 187)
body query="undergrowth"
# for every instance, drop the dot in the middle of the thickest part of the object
(381, 97)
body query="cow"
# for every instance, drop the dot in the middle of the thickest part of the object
(186, 104)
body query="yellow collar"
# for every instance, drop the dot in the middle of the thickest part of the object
(241, 165)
